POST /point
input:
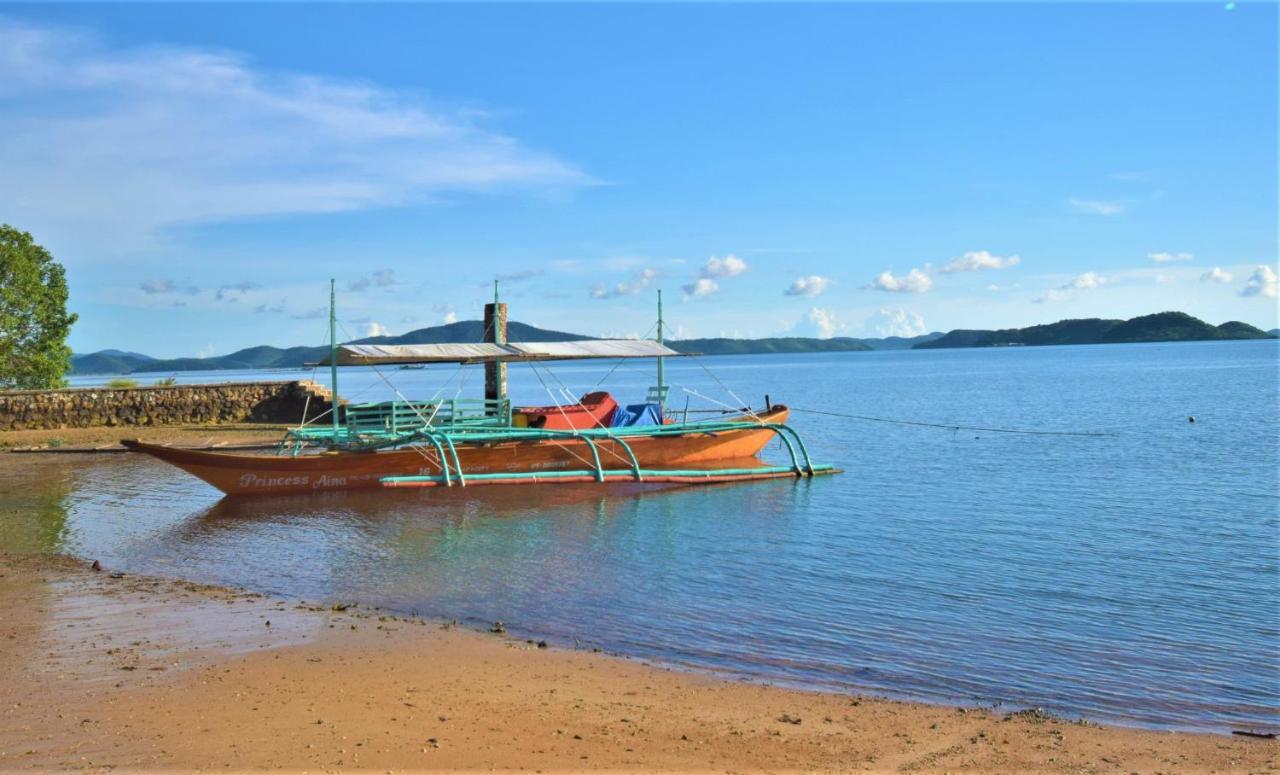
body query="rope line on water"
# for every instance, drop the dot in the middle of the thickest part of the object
(866, 418)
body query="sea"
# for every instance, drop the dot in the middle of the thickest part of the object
(1118, 563)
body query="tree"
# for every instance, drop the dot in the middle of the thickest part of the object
(33, 314)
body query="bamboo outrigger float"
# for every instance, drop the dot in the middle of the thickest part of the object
(468, 442)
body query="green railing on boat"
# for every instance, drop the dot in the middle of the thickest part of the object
(375, 425)
(801, 463)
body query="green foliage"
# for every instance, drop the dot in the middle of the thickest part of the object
(122, 383)
(33, 314)
(166, 382)
(1160, 327)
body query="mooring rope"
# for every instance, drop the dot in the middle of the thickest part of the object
(949, 427)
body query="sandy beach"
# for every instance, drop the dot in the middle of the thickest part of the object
(107, 671)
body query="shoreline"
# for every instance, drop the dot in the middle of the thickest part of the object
(103, 438)
(113, 670)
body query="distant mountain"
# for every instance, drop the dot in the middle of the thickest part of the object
(125, 354)
(1165, 326)
(473, 331)
(901, 342)
(789, 344)
(1160, 327)
(266, 357)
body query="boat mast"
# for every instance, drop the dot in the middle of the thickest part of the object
(333, 359)
(662, 366)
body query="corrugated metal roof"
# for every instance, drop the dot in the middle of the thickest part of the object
(380, 354)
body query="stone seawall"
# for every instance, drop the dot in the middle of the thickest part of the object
(235, 402)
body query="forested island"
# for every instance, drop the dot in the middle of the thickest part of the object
(1160, 327)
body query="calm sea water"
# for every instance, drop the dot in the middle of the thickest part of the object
(1133, 577)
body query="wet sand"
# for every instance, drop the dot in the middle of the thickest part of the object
(135, 673)
(108, 439)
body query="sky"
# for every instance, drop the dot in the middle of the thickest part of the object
(807, 170)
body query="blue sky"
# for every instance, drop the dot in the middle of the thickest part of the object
(854, 170)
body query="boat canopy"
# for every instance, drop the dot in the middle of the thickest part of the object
(485, 352)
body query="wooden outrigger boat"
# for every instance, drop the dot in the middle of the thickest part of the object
(466, 442)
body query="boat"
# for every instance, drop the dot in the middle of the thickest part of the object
(463, 442)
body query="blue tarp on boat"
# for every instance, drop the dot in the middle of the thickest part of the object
(636, 414)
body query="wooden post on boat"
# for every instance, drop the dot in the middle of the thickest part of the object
(333, 359)
(662, 366)
(495, 332)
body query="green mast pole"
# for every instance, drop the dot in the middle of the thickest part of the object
(662, 366)
(333, 358)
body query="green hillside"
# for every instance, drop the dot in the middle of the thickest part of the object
(1160, 327)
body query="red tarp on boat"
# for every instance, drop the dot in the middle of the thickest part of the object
(594, 410)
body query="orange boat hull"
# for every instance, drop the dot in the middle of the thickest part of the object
(276, 474)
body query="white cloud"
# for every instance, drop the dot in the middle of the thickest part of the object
(376, 329)
(1164, 258)
(825, 321)
(889, 321)
(729, 266)
(122, 142)
(449, 317)
(639, 282)
(1096, 207)
(705, 284)
(914, 281)
(1262, 282)
(1216, 275)
(813, 285)
(700, 288)
(1069, 290)
(1003, 288)
(978, 260)
(820, 323)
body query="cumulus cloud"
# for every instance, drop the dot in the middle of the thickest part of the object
(124, 141)
(915, 281)
(1262, 282)
(1069, 290)
(641, 281)
(1216, 275)
(729, 266)
(382, 278)
(820, 323)
(715, 268)
(376, 329)
(813, 285)
(890, 321)
(700, 288)
(978, 260)
(1164, 258)
(1096, 207)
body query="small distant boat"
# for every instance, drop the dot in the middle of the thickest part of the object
(469, 441)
